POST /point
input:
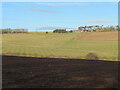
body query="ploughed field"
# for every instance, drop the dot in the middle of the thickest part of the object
(67, 45)
(31, 72)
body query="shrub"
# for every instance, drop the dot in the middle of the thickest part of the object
(59, 31)
(92, 55)
(70, 31)
(46, 32)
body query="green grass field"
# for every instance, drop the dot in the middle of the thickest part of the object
(54, 45)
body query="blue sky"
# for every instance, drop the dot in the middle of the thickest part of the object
(50, 15)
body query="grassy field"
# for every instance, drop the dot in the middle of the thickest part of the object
(67, 45)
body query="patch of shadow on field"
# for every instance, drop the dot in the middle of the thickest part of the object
(29, 72)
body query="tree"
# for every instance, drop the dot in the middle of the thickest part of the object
(90, 27)
(80, 28)
(118, 28)
(97, 27)
(85, 27)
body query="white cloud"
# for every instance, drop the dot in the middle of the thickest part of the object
(42, 10)
(61, 3)
(60, 0)
(52, 27)
(99, 21)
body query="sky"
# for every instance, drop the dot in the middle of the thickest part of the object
(53, 15)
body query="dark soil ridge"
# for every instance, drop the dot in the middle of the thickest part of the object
(31, 72)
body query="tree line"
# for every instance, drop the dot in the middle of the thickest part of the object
(95, 28)
(99, 28)
(3, 31)
(62, 31)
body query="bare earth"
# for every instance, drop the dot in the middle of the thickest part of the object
(27, 72)
(113, 35)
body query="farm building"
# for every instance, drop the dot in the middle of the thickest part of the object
(88, 30)
(85, 30)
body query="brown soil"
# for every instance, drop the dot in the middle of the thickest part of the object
(98, 36)
(28, 72)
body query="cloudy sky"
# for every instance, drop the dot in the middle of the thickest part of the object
(50, 15)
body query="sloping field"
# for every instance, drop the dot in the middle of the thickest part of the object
(113, 35)
(67, 45)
